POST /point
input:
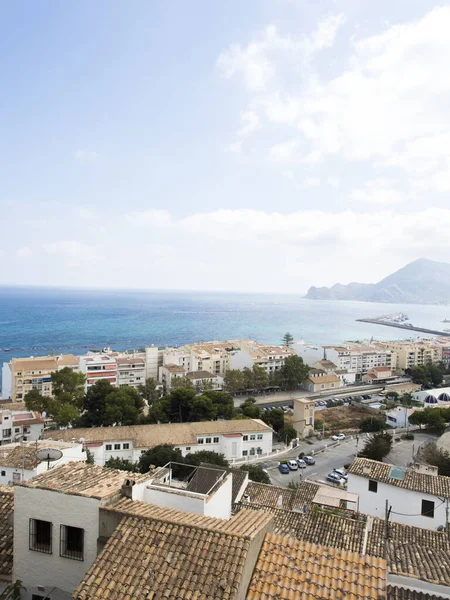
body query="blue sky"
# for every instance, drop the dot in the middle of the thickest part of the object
(259, 146)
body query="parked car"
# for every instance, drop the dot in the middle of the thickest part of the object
(342, 474)
(334, 478)
(301, 463)
(283, 468)
(309, 460)
(338, 436)
(292, 464)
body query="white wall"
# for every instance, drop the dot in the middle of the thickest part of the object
(219, 504)
(309, 354)
(420, 396)
(181, 501)
(6, 381)
(241, 359)
(406, 502)
(36, 568)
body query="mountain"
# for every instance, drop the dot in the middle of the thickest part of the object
(422, 281)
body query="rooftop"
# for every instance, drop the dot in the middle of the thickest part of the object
(35, 363)
(327, 364)
(171, 554)
(130, 361)
(81, 479)
(200, 375)
(330, 378)
(289, 568)
(148, 436)
(24, 455)
(6, 529)
(264, 494)
(397, 593)
(175, 368)
(436, 485)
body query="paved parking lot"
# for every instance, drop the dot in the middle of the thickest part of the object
(337, 456)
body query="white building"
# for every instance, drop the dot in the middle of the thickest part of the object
(20, 425)
(19, 462)
(399, 416)
(360, 358)
(435, 396)
(131, 371)
(417, 496)
(309, 353)
(169, 372)
(97, 367)
(203, 380)
(234, 439)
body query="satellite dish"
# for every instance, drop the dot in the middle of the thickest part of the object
(48, 454)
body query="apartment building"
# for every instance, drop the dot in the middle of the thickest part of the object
(130, 371)
(99, 367)
(234, 439)
(20, 425)
(248, 353)
(360, 358)
(412, 354)
(21, 375)
(213, 357)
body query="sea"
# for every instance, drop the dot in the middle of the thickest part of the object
(37, 321)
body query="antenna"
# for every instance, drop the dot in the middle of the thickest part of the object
(48, 454)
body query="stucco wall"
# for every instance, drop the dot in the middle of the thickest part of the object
(180, 501)
(36, 568)
(219, 504)
(406, 502)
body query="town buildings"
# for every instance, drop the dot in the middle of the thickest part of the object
(320, 381)
(21, 375)
(433, 396)
(20, 425)
(99, 367)
(360, 358)
(235, 439)
(303, 419)
(409, 354)
(415, 496)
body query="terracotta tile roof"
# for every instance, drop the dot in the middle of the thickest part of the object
(200, 375)
(6, 529)
(328, 364)
(40, 363)
(412, 551)
(148, 436)
(289, 569)
(330, 378)
(175, 369)
(81, 479)
(436, 485)
(67, 360)
(315, 526)
(152, 559)
(269, 495)
(396, 593)
(204, 479)
(130, 361)
(239, 477)
(246, 523)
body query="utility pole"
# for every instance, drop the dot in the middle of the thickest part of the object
(387, 513)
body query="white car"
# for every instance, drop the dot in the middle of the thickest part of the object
(301, 463)
(292, 464)
(334, 478)
(342, 474)
(338, 436)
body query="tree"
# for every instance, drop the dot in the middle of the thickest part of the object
(249, 409)
(159, 456)
(233, 381)
(89, 457)
(260, 377)
(149, 391)
(274, 418)
(123, 406)
(68, 386)
(256, 473)
(433, 455)
(206, 456)
(392, 396)
(287, 339)
(417, 418)
(377, 446)
(94, 405)
(248, 379)
(34, 400)
(179, 404)
(202, 409)
(223, 402)
(372, 424)
(122, 464)
(294, 372)
(434, 419)
(287, 434)
(158, 412)
(430, 374)
(182, 382)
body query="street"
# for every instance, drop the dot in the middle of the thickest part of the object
(336, 457)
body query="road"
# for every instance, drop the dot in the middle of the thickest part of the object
(336, 457)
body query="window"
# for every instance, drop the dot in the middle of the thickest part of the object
(253, 437)
(252, 452)
(244, 452)
(40, 536)
(373, 486)
(116, 446)
(258, 450)
(71, 542)
(108, 447)
(16, 429)
(260, 436)
(6, 433)
(216, 440)
(245, 438)
(3, 473)
(126, 446)
(207, 440)
(428, 508)
(188, 448)
(200, 440)
(37, 597)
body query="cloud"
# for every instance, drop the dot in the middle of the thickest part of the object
(86, 156)
(72, 252)
(24, 252)
(387, 105)
(379, 191)
(250, 122)
(154, 218)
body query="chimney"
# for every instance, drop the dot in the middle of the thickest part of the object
(425, 469)
(280, 501)
(127, 488)
(367, 469)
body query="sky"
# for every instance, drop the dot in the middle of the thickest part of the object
(265, 145)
